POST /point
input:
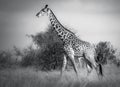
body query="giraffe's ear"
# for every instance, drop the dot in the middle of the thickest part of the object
(46, 6)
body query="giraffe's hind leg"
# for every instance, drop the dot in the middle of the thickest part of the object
(89, 64)
(81, 62)
(89, 69)
(99, 71)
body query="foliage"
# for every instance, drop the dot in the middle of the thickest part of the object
(43, 40)
(50, 52)
(17, 51)
(51, 58)
(5, 59)
(28, 58)
(105, 52)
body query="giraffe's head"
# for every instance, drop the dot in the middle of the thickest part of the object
(43, 11)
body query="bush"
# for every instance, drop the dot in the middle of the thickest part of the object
(49, 54)
(105, 52)
(51, 58)
(29, 57)
(44, 40)
(5, 59)
(118, 63)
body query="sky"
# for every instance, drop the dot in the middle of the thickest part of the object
(91, 20)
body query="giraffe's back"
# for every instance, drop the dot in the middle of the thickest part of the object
(81, 47)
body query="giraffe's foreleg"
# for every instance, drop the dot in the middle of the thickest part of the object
(64, 64)
(70, 52)
(73, 63)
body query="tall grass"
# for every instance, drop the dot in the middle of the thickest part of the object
(28, 77)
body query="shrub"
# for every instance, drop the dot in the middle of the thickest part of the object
(105, 52)
(44, 40)
(28, 57)
(49, 54)
(5, 59)
(51, 58)
(118, 63)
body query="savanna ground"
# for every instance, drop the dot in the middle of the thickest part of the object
(30, 77)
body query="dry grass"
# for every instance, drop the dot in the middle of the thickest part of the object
(28, 77)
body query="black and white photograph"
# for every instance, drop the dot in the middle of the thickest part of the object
(59, 43)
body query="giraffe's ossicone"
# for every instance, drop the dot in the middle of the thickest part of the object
(73, 46)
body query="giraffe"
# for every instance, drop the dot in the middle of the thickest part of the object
(73, 46)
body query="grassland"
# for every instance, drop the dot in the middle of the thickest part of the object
(29, 77)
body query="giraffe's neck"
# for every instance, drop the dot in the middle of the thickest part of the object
(59, 28)
(53, 19)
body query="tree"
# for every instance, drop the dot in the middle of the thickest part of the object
(50, 52)
(47, 38)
